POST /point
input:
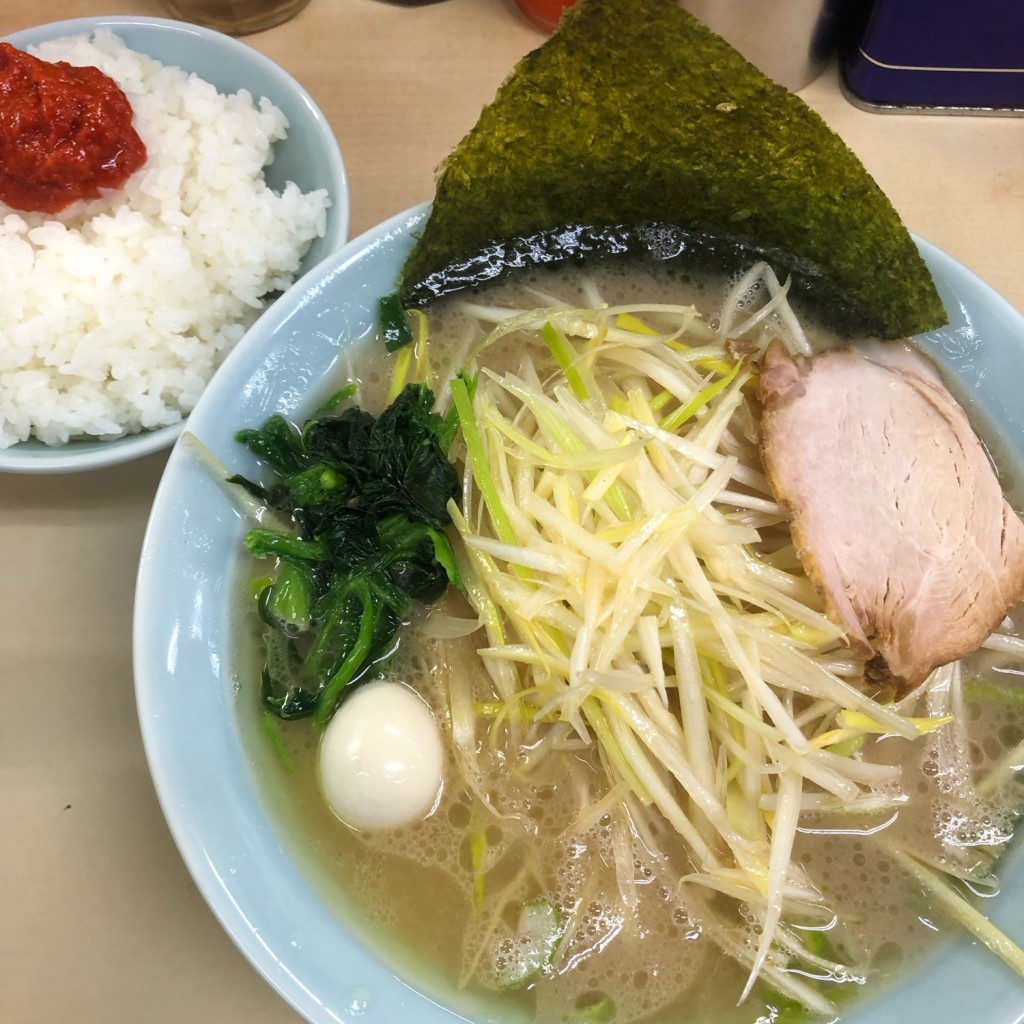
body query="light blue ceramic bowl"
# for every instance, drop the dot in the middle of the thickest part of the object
(186, 659)
(309, 156)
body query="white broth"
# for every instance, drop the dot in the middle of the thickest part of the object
(543, 823)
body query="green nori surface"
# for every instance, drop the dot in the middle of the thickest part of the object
(634, 114)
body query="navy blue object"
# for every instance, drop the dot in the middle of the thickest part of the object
(939, 54)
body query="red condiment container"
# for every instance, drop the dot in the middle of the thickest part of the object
(544, 13)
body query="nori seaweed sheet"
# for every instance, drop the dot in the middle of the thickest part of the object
(634, 119)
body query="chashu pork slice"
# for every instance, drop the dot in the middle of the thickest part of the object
(896, 511)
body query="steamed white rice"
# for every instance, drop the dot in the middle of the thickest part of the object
(115, 312)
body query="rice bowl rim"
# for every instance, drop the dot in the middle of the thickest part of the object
(260, 75)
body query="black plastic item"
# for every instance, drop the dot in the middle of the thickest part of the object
(940, 56)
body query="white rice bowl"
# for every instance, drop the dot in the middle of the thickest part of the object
(117, 311)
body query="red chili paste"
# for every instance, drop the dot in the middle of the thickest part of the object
(65, 133)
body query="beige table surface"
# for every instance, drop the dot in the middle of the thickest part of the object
(99, 920)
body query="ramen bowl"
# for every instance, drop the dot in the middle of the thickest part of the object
(250, 865)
